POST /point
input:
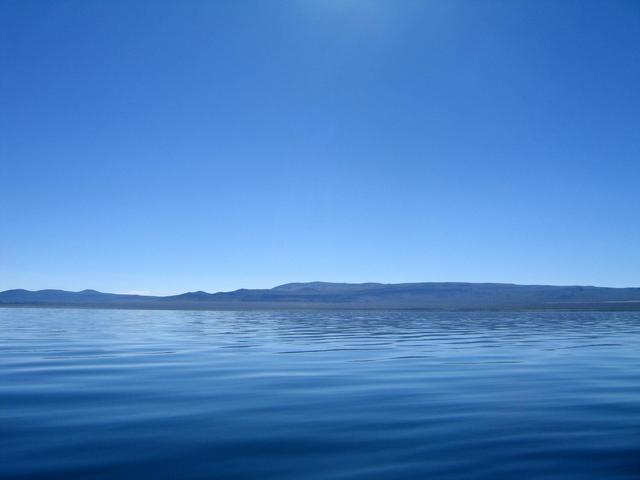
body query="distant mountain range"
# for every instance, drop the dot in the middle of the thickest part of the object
(323, 295)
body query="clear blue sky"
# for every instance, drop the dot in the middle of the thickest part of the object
(171, 146)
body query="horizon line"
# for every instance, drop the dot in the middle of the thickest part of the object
(144, 293)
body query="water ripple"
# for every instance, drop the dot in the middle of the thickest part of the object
(102, 394)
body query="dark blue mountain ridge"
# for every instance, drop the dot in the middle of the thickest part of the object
(428, 295)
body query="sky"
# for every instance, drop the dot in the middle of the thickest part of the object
(171, 146)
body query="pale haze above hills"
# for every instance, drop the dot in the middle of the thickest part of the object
(324, 295)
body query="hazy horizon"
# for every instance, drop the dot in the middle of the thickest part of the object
(166, 147)
(148, 293)
(163, 293)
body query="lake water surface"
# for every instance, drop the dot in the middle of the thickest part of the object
(122, 394)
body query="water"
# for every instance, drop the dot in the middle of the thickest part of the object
(113, 394)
